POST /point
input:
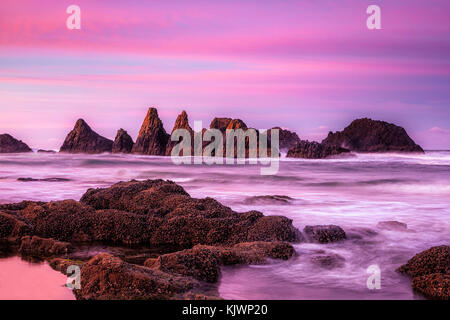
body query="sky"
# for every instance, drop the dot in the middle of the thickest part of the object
(309, 66)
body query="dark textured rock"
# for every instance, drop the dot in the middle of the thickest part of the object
(392, 225)
(367, 135)
(40, 247)
(268, 199)
(325, 234)
(8, 144)
(203, 262)
(46, 151)
(430, 270)
(433, 260)
(12, 228)
(434, 286)
(288, 139)
(152, 138)
(106, 277)
(220, 124)
(82, 139)
(182, 122)
(314, 150)
(328, 261)
(123, 142)
(61, 264)
(152, 212)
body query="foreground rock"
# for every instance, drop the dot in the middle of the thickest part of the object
(203, 262)
(40, 247)
(8, 144)
(82, 139)
(123, 142)
(314, 150)
(325, 234)
(430, 270)
(367, 135)
(153, 212)
(152, 138)
(106, 277)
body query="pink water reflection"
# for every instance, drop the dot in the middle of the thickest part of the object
(22, 280)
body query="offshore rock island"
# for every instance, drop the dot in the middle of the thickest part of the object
(362, 135)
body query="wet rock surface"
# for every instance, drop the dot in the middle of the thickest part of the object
(82, 139)
(202, 235)
(40, 247)
(367, 135)
(325, 233)
(9, 144)
(328, 261)
(430, 270)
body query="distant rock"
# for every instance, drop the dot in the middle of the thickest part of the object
(123, 142)
(46, 151)
(288, 139)
(152, 138)
(82, 139)
(314, 150)
(328, 261)
(182, 122)
(8, 144)
(367, 135)
(325, 234)
(392, 225)
(220, 124)
(269, 200)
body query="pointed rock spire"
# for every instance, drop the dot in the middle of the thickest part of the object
(182, 122)
(123, 142)
(82, 139)
(152, 138)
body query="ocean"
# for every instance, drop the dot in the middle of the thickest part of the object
(355, 193)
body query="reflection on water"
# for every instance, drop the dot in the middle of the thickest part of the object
(22, 280)
(354, 193)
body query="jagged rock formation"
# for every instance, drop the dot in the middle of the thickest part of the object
(123, 142)
(288, 139)
(220, 123)
(82, 139)
(182, 122)
(314, 150)
(152, 138)
(367, 135)
(8, 144)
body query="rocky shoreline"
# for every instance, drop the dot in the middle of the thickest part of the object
(153, 240)
(362, 135)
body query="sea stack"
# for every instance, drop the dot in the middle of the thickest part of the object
(314, 150)
(152, 138)
(182, 122)
(123, 142)
(9, 144)
(367, 135)
(288, 139)
(82, 139)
